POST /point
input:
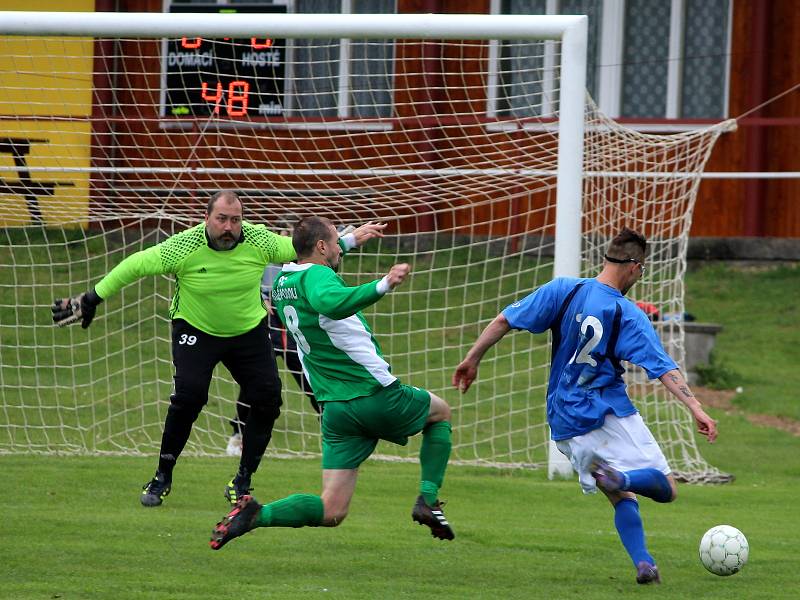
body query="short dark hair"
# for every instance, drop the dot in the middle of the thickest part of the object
(307, 232)
(229, 195)
(628, 244)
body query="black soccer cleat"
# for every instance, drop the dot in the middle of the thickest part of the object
(237, 488)
(155, 490)
(433, 517)
(647, 573)
(237, 522)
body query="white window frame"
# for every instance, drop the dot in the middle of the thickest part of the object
(344, 78)
(548, 66)
(609, 76)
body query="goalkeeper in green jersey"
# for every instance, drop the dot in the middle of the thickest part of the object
(362, 401)
(217, 317)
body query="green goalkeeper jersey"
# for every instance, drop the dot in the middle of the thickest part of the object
(340, 356)
(216, 291)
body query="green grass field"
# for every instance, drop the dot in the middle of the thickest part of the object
(74, 527)
(759, 309)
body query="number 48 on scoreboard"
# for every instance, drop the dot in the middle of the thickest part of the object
(226, 78)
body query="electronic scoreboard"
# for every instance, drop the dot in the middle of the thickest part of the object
(225, 78)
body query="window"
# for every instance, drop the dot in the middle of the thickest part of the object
(519, 94)
(527, 71)
(344, 78)
(646, 58)
(706, 45)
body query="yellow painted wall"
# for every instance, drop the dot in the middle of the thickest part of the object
(59, 5)
(50, 78)
(68, 146)
(46, 76)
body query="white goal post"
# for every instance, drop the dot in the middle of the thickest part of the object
(468, 133)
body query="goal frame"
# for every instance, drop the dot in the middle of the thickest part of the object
(569, 30)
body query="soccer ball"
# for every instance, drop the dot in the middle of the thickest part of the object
(724, 550)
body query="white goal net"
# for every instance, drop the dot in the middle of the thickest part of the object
(108, 144)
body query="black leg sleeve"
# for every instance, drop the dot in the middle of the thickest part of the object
(242, 410)
(194, 355)
(295, 367)
(251, 361)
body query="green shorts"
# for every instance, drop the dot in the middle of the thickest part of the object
(351, 429)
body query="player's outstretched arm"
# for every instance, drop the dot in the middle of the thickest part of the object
(676, 384)
(80, 308)
(467, 370)
(397, 275)
(367, 231)
(352, 237)
(329, 295)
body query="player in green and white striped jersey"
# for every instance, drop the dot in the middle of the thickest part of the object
(362, 400)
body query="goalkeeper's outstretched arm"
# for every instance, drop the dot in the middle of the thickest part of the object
(83, 306)
(467, 370)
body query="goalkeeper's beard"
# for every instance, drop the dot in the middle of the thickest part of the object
(226, 241)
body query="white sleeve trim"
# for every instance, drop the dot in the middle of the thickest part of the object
(349, 241)
(383, 286)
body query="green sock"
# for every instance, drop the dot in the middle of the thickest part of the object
(297, 510)
(433, 458)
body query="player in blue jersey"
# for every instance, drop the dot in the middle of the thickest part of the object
(592, 420)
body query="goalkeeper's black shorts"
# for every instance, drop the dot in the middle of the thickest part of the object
(248, 357)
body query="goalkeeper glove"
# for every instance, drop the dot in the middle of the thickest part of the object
(70, 310)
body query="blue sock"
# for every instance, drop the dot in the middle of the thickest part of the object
(651, 483)
(631, 530)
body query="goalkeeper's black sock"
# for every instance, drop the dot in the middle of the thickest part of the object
(255, 439)
(243, 476)
(177, 428)
(166, 463)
